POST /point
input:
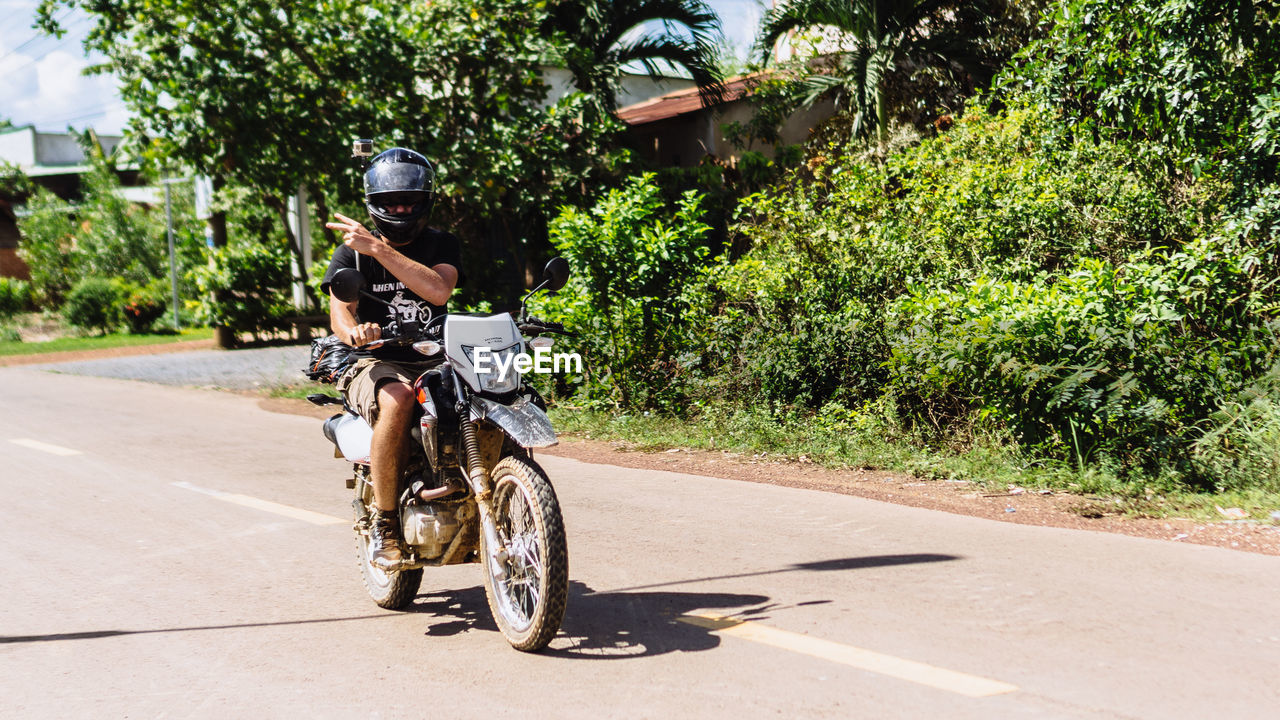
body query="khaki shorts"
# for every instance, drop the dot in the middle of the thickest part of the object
(360, 383)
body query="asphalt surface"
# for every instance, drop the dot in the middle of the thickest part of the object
(226, 369)
(180, 552)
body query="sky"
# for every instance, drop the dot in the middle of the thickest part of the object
(42, 84)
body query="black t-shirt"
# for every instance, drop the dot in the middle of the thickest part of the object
(433, 247)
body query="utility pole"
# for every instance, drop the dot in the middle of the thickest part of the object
(300, 224)
(173, 261)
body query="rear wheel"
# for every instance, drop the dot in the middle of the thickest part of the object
(390, 590)
(528, 597)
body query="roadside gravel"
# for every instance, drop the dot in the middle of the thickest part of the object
(247, 369)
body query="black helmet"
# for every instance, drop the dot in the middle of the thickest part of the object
(399, 177)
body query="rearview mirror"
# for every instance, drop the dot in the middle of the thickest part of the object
(347, 284)
(556, 274)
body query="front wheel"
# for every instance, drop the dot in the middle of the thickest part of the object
(528, 596)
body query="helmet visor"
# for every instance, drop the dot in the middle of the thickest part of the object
(399, 203)
(398, 177)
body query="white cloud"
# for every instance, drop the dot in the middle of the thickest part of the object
(42, 81)
(740, 20)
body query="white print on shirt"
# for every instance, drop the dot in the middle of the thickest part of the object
(408, 309)
(387, 287)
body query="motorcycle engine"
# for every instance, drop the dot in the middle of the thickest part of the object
(429, 528)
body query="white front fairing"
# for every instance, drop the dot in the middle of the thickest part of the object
(354, 437)
(463, 333)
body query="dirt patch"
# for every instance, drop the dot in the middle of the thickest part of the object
(1024, 506)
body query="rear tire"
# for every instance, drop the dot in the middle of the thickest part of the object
(390, 590)
(528, 604)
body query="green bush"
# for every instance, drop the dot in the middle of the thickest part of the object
(800, 318)
(1240, 449)
(144, 306)
(1066, 294)
(104, 235)
(1196, 77)
(632, 257)
(15, 296)
(94, 304)
(47, 246)
(1115, 360)
(246, 288)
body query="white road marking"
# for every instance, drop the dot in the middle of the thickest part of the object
(288, 511)
(910, 670)
(44, 447)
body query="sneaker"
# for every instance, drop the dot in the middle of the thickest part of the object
(384, 541)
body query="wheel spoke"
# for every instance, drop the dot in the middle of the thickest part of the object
(520, 539)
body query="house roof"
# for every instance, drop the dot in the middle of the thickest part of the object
(681, 102)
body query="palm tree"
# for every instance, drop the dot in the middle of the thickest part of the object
(600, 38)
(882, 37)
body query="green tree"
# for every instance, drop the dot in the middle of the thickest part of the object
(252, 92)
(1197, 78)
(267, 95)
(883, 43)
(598, 38)
(13, 182)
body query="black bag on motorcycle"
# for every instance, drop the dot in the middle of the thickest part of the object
(330, 358)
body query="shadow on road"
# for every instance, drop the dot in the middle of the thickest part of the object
(599, 624)
(853, 563)
(94, 634)
(624, 623)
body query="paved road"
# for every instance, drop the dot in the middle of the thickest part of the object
(175, 552)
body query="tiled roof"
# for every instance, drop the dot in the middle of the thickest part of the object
(681, 101)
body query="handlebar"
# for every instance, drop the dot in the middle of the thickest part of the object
(538, 325)
(433, 331)
(545, 327)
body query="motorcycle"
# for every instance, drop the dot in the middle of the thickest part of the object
(470, 491)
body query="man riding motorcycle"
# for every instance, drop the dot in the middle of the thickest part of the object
(414, 268)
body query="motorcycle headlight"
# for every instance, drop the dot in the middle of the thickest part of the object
(495, 369)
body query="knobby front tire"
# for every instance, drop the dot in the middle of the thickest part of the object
(528, 603)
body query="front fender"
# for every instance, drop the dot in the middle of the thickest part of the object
(522, 420)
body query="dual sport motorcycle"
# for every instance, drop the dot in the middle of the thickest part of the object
(470, 491)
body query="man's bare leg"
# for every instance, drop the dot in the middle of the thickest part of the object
(386, 455)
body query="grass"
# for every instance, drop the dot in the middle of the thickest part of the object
(70, 343)
(300, 391)
(865, 442)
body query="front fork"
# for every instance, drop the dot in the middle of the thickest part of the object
(481, 487)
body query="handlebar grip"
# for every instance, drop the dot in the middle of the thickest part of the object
(555, 328)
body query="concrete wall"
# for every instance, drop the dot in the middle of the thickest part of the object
(685, 139)
(18, 146)
(634, 88)
(33, 150)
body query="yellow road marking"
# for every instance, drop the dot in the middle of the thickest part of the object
(44, 447)
(916, 672)
(288, 511)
